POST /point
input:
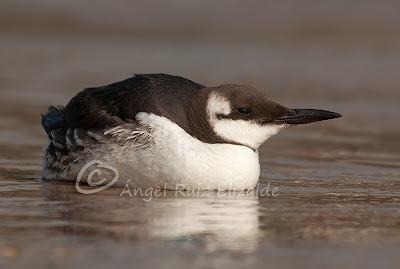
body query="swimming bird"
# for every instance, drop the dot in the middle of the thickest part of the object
(158, 130)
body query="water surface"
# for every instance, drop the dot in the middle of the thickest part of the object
(338, 202)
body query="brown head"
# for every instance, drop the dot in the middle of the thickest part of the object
(244, 115)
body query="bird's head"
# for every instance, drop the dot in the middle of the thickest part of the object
(244, 115)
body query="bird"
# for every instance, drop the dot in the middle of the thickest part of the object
(164, 131)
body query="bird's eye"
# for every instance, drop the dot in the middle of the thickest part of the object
(243, 110)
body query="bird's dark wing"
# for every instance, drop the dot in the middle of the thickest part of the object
(105, 107)
(118, 103)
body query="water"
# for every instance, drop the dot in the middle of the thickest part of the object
(338, 202)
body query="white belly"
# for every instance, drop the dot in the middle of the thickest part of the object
(178, 160)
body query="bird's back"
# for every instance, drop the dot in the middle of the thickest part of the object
(82, 122)
(103, 107)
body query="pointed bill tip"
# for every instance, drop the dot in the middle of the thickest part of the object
(304, 116)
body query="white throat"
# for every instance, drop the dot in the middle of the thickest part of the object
(244, 132)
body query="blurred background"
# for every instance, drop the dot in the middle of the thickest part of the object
(339, 180)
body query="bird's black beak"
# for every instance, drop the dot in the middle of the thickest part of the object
(303, 116)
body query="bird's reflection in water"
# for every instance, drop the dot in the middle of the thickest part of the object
(219, 220)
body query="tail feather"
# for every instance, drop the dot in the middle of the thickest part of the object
(53, 119)
(55, 161)
(53, 124)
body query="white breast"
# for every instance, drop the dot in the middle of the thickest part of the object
(181, 161)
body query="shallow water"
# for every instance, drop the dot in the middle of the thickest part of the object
(338, 202)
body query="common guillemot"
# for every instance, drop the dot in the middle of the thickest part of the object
(159, 130)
